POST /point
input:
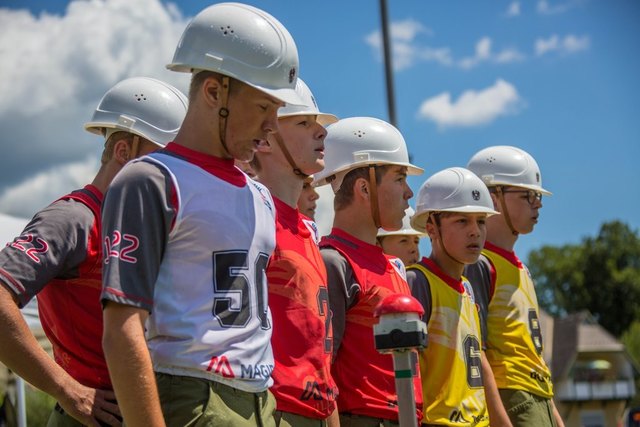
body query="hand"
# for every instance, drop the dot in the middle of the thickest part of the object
(92, 407)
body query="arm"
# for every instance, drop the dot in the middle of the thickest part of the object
(130, 367)
(497, 413)
(556, 414)
(343, 292)
(334, 419)
(20, 351)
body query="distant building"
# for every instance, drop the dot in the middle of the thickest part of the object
(592, 373)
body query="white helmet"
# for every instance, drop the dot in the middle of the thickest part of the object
(506, 165)
(451, 190)
(243, 42)
(361, 141)
(406, 230)
(143, 106)
(308, 106)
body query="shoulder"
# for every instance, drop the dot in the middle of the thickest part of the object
(333, 258)
(416, 276)
(66, 216)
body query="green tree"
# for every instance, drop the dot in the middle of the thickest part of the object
(631, 341)
(601, 274)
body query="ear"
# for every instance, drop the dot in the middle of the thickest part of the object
(361, 188)
(210, 90)
(121, 151)
(431, 230)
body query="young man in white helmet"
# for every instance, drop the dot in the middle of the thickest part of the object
(403, 243)
(503, 284)
(58, 257)
(303, 387)
(187, 323)
(367, 165)
(452, 209)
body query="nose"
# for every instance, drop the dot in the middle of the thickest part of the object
(270, 124)
(408, 192)
(475, 229)
(314, 195)
(321, 132)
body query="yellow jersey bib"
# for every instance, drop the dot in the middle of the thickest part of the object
(514, 339)
(450, 367)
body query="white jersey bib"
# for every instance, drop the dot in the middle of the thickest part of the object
(211, 317)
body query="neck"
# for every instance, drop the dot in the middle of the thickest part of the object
(499, 233)
(450, 266)
(281, 182)
(105, 175)
(352, 220)
(197, 136)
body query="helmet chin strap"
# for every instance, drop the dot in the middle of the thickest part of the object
(223, 112)
(375, 210)
(135, 146)
(505, 211)
(287, 154)
(436, 222)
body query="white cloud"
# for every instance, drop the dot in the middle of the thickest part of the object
(483, 53)
(402, 35)
(406, 51)
(33, 194)
(472, 108)
(55, 69)
(567, 45)
(513, 9)
(543, 7)
(49, 60)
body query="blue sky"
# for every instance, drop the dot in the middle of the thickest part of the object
(558, 78)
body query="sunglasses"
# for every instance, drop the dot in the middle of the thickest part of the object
(532, 195)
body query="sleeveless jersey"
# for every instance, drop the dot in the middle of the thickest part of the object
(365, 378)
(451, 367)
(299, 302)
(63, 266)
(209, 304)
(514, 339)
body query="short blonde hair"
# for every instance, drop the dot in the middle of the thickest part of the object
(109, 144)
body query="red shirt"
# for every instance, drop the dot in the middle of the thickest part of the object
(366, 378)
(59, 257)
(299, 302)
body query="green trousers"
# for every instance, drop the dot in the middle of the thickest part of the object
(527, 410)
(188, 401)
(287, 419)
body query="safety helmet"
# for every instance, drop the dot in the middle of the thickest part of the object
(506, 165)
(243, 42)
(406, 230)
(361, 141)
(308, 106)
(451, 190)
(143, 106)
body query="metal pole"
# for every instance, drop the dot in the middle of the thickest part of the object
(402, 365)
(388, 68)
(21, 403)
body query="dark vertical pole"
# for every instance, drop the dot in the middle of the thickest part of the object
(388, 68)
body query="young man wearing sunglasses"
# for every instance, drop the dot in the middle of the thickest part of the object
(506, 294)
